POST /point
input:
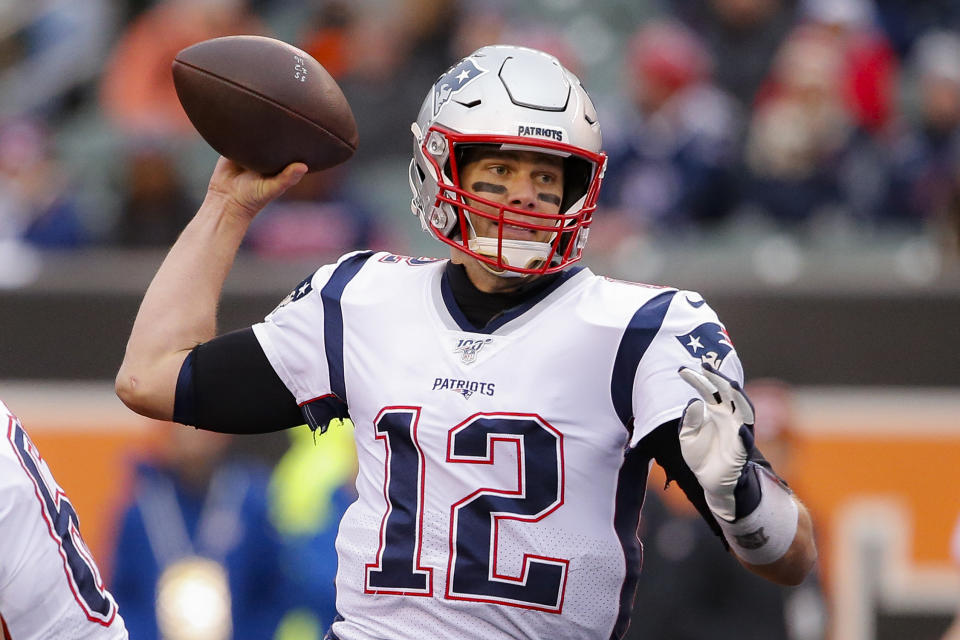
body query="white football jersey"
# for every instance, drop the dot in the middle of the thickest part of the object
(50, 587)
(497, 494)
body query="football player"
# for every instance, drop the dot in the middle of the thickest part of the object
(50, 586)
(507, 404)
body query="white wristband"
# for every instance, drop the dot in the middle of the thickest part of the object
(764, 535)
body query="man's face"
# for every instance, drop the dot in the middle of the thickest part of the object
(524, 180)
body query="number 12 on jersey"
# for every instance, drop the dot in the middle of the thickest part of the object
(472, 571)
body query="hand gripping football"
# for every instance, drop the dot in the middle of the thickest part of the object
(264, 103)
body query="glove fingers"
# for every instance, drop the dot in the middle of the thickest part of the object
(692, 418)
(702, 385)
(694, 442)
(731, 392)
(720, 381)
(743, 404)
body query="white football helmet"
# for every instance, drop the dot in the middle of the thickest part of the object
(517, 99)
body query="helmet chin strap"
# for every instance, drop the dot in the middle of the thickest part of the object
(526, 254)
(516, 253)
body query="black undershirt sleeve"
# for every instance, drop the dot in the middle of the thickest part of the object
(228, 385)
(663, 445)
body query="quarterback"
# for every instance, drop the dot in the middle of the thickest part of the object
(507, 403)
(50, 586)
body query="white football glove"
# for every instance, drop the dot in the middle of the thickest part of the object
(710, 436)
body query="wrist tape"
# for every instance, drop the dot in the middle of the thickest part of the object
(765, 534)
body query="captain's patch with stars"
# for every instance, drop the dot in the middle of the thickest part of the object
(709, 342)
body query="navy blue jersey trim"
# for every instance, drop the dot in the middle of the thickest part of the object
(320, 411)
(184, 398)
(333, 318)
(508, 314)
(631, 487)
(640, 332)
(446, 291)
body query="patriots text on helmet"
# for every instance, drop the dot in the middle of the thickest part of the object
(540, 132)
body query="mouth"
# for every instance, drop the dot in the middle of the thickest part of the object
(512, 231)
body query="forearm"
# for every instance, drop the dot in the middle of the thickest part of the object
(179, 310)
(953, 633)
(796, 563)
(180, 306)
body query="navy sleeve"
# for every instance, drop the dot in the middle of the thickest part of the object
(228, 385)
(663, 445)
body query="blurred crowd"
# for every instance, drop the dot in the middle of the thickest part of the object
(813, 117)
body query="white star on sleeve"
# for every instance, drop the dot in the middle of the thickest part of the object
(694, 343)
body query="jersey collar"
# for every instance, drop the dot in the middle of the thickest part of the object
(507, 315)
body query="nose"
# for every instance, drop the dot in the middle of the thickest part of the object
(523, 193)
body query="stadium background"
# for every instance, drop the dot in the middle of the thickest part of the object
(860, 315)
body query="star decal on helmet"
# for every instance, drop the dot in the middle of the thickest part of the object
(455, 79)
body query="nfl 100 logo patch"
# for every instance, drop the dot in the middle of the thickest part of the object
(468, 348)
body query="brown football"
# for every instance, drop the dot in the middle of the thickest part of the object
(264, 103)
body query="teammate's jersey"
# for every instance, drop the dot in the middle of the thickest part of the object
(497, 494)
(50, 587)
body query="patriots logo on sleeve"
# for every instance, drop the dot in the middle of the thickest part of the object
(709, 342)
(455, 79)
(305, 287)
(302, 289)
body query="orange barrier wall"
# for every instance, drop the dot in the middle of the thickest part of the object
(923, 472)
(895, 444)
